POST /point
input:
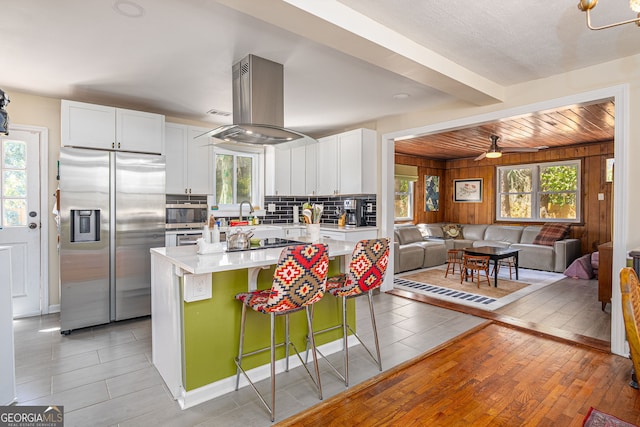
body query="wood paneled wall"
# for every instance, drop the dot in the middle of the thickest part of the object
(597, 215)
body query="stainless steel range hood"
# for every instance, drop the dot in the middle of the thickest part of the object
(258, 105)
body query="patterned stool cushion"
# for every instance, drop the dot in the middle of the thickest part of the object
(366, 269)
(298, 280)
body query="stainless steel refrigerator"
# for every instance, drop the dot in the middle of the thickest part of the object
(111, 214)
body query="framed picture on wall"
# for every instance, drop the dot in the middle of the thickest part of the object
(431, 193)
(467, 190)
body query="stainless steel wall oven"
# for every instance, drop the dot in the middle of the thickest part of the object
(185, 215)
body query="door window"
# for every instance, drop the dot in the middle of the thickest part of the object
(14, 183)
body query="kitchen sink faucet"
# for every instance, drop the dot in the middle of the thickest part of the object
(250, 208)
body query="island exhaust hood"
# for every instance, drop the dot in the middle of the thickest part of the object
(258, 105)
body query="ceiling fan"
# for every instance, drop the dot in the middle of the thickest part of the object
(494, 151)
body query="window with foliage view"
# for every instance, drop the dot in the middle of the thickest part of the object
(539, 192)
(403, 200)
(235, 177)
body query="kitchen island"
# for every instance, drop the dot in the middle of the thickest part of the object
(196, 320)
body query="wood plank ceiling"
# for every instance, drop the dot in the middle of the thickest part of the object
(575, 124)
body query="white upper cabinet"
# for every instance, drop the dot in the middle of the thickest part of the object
(347, 163)
(311, 169)
(188, 160)
(175, 137)
(282, 170)
(199, 162)
(328, 165)
(139, 131)
(298, 171)
(87, 125)
(108, 128)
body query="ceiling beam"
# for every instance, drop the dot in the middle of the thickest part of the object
(333, 24)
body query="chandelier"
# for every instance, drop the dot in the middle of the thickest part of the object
(587, 5)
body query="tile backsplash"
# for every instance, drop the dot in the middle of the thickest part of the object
(332, 205)
(284, 206)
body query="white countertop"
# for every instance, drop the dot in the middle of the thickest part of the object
(187, 258)
(326, 227)
(334, 227)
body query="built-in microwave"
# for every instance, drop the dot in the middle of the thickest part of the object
(186, 215)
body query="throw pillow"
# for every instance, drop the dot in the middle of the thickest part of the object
(580, 268)
(550, 233)
(452, 231)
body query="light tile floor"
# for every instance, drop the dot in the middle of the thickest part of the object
(104, 375)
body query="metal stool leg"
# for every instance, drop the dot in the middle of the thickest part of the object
(273, 365)
(241, 345)
(309, 312)
(286, 342)
(345, 337)
(375, 330)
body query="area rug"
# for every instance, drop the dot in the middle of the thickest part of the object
(431, 282)
(596, 418)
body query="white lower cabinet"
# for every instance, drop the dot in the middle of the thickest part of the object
(293, 232)
(351, 235)
(8, 393)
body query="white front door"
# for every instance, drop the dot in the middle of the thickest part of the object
(20, 216)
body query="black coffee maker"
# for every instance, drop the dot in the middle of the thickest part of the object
(355, 213)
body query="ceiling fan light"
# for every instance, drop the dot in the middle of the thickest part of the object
(635, 5)
(493, 154)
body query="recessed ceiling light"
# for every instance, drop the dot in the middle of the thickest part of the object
(401, 96)
(128, 8)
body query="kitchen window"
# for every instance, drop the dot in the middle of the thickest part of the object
(236, 177)
(539, 192)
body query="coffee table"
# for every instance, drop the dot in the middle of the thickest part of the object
(495, 254)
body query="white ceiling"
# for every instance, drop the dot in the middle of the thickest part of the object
(343, 60)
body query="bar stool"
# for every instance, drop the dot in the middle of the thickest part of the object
(475, 263)
(299, 281)
(454, 257)
(366, 272)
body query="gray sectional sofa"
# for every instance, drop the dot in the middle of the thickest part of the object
(540, 257)
(413, 251)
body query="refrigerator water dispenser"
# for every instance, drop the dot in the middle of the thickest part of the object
(85, 225)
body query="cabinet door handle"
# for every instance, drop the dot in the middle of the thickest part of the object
(186, 191)
(113, 145)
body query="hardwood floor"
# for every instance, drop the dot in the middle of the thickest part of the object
(497, 376)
